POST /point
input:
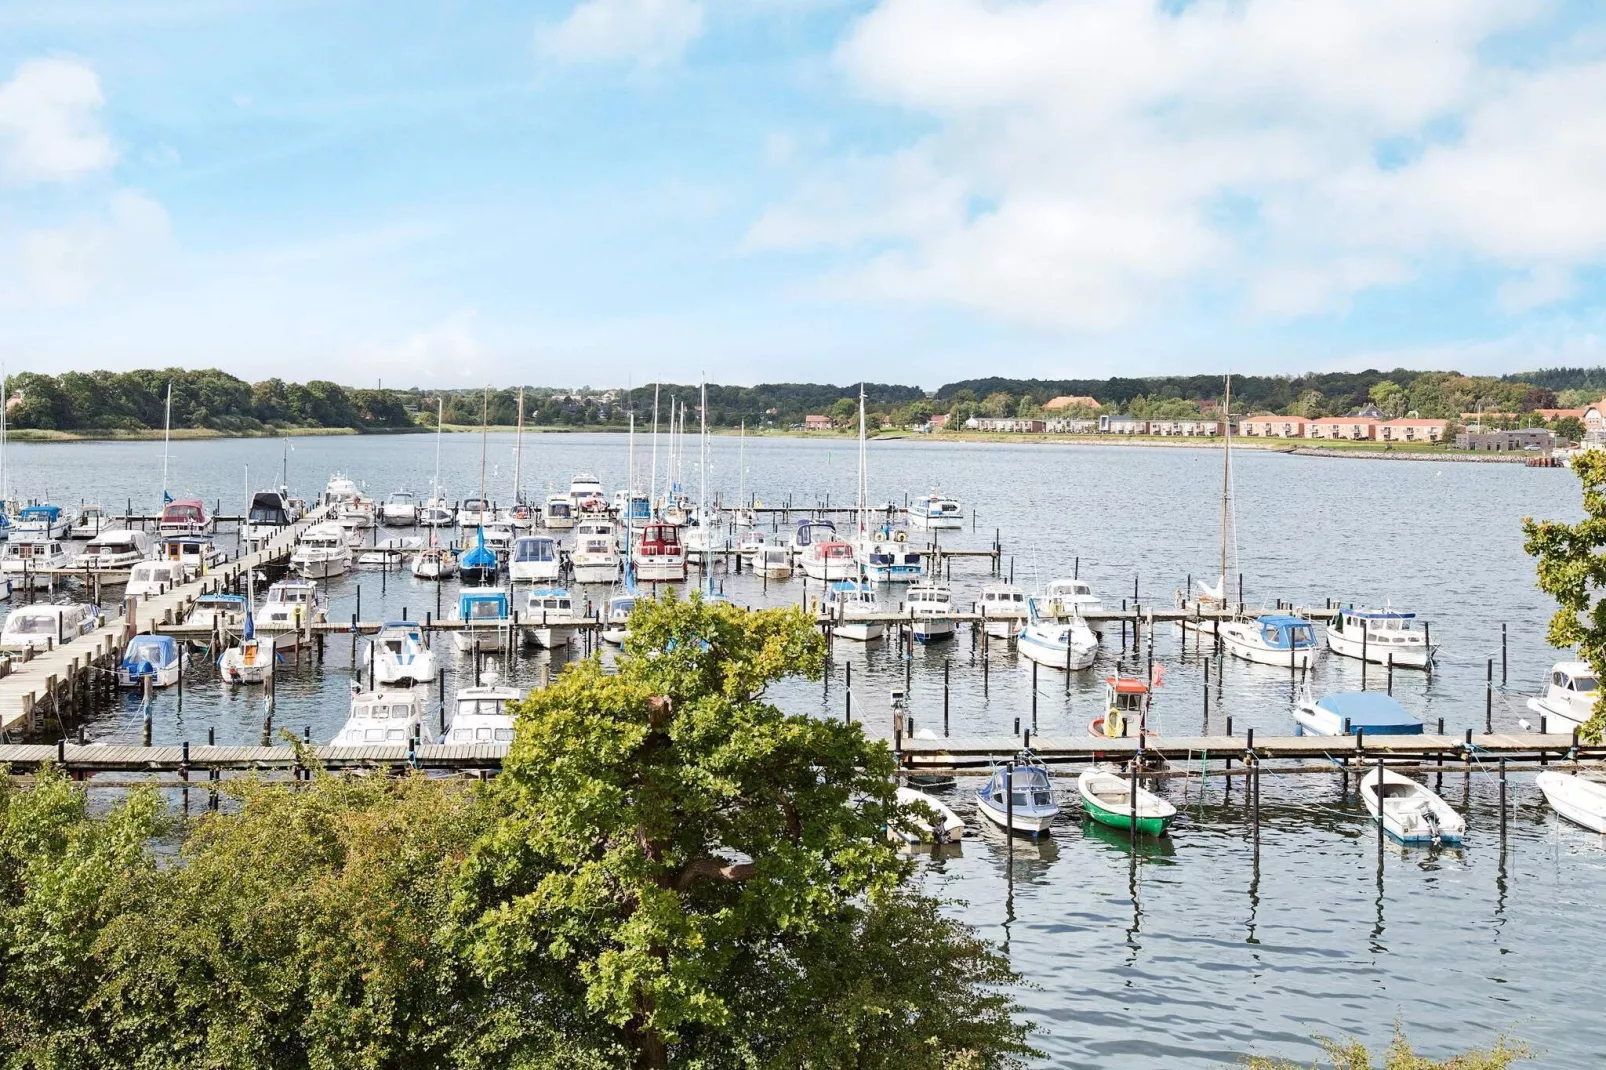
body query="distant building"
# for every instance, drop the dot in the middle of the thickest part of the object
(1122, 425)
(1185, 428)
(1016, 424)
(817, 423)
(1412, 430)
(1070, 401)
(1371, 412)
(1345, 428)
(1270, 425)
(1526, 438)
(1071, 425)
(938, 421)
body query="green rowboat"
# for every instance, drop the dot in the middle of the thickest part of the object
(1107, 799)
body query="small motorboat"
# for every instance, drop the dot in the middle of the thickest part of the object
(1062, 597)
(483, 612)
(398, 655)
(594, 557)
(400, 509)
(923, 818)
(1067, 644)
(1581, 801)
(658, 555)
(937, 512)
(389, 553)
(474, 512)
(931, 607)
(1126, 709)
(435, 563)
(251, 661)
(1278, 639)
(220, 613)
(268, 514)
(773, 561)
(437, 513)
(394, 717)
(1349, 713)
(848, 603)
(549, 619)
(1569, 697)
(41, 628)
(1410, 812)
(286, 610)
(28, 562)
(340, 488)
(157, 658)
(616, 628)
(829, 561)
(1108, 799)
(1382, 637)
(535, 559)
(90, 522)
(186, 516)
(41, 522)
(321, 552)
(1004, 607)
(195, 555)
(148, 579)
(1026, 804)
(558, 513)
(480, 715)
(114, 548)
(806, 533)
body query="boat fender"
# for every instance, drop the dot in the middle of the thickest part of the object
(901, 536)
(1114, 724)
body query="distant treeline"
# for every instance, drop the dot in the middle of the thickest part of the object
(137, 400)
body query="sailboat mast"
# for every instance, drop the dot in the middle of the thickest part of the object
(652, 487)
(630, 487)
(702, 465)
(518, 456)
(863, 477)
(1226, 468)
(5, 414)
(167, 434)
(435, 487)
(485, 437)
(741, 462)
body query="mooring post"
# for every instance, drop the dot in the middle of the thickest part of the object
(1488, 697)
(1391, 671)
(847, 694)
(1009, 806)
(1502, 801)
(945, 697)
(1034, 694)
(1363, 654)
(1380, 814)
(1502, 655)
(1438, 782)
(1207, 697)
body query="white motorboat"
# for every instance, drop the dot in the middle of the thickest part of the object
(483, 612)
(1003, 606)
(382, 717)
(41, 523)
(1067, 644)
(397, 654)
(704, 540)
(748, 543)
(356, 517)
(475, 512)
(923, 818)
(806, 533)
(1579, 800)
(549, 619)
(558, 513)
(1277, 639)
(848, 603)
(658, 556)
(891, 560)
(829, 561)
(1126, 709)
(249, 662)
(41, 628)
(268, 514)
(1568, 701)
(594, 558)
(151, 578)
(195, 555)
(616, 627)
(157, 658)
(90, 522)
(936, 512)
(321, 552)
(499, 536)
(26, 562)
(287, 608)
(114, 548)
(400, 509)
(1382, 637)
(437, 513)
(774, 560)
(1019, 799)
(435, 563)
(393, 552)
(482, 715)
(1410, 812)
(219, 613)
(534, 559)
(585, 494)
(1349, 713)
(1064, 597)
(931, 607)
(340, 488)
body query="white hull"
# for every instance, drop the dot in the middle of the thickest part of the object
(164, 677)
(399, 516)
(418, 671)
(1581, 801)
(1299, 658)
(533, 571)
(1317, 721)
(1003, 627)
(863, 631)
(927, 629)
(936, 523)
(661, 570)
(321, 568)
(1405, 655)
(1411, 813)
(549, 637)
(596, 572)
(486, 640)
(1053, 655)
(615, 634)
(236, 669)
(941, 826)
(1552, 719)
(999, 816)
(775, 572)
(829, 571)
(565, 523)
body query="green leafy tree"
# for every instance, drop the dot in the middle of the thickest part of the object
(845, 412)
(999, 404)
(1388, 397)
(714, 873)
(1572, 570)
(1570, 428)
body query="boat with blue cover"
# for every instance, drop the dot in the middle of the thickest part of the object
(1380, 636)
(43, 522)
(478, 565)
(1019, 799)
(1349, 713)
(1280, 639)
(483, 612)
(157, 658)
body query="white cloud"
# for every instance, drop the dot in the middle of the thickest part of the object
(647, 33)
(1086, 161)
(50, 123)
(446, 353)
(68, 264)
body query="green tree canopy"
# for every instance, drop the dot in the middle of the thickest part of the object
(1572, 570)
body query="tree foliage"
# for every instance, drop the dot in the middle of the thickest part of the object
(670, 871)
(1572, 570)
(1351, 1054)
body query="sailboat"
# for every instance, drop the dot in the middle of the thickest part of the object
(1213, 599)
(250, 662)
(522, 515)
(437, 512)
(704, 540)
(882, 555)
(479, 565)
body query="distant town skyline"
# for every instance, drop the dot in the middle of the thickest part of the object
(909, 191)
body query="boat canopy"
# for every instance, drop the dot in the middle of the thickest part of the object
(1378, 614)
(184, 511)
(1127, 685)
(535, 548)
(221, 601)
(482, 605)
(1282, 631)
(40, 512)
(1372, 711)
(408, 627)
(158, 650)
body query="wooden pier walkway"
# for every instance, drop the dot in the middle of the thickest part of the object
(53, 681)
(93, 758)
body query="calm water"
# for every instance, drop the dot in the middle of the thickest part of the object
(1190, 952)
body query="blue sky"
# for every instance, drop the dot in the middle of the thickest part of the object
(825, 190)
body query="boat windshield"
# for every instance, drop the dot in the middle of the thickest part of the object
(31, 623)
(535, 550)
(483, 707)
(1584, 683)
(485, 609)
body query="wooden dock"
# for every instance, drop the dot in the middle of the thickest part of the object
(54, 681)
(95, 759)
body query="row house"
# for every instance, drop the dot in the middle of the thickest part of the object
(1016, 424)
(1412, 430)
(1346, 428)
(1122, 425)
(1269, 425)
(817, 423)
(1067, 425)
(1185, 428)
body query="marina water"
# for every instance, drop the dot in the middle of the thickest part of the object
(1184, 952)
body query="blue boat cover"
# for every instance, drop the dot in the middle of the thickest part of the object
(1373, 711)
(40, 512)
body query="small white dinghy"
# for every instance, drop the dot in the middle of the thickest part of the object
(1410, 812)
(929, 821)
(1583, 802)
